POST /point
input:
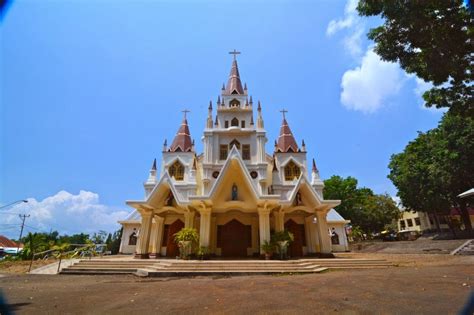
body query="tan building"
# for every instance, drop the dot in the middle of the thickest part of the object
(234, 192)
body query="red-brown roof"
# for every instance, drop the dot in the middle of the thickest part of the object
(286, 141)
(6, 242)
(234, 85)
(182, 141)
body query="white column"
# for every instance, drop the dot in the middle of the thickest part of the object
(264, 226)
(279, 221)
(144, 237)
(156, 236)
(323, 233)
(189, 219)
(310, 234)
(205, 227)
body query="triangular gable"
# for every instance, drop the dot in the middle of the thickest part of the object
(234, 155)
(290, 158)
(304, 182)
(162, 187)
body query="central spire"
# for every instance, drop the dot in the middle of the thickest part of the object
(234, 85)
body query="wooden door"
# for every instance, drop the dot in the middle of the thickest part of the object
(234, 238)
(296, 247)
(172, 249)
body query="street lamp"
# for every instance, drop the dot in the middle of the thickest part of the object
(15, 202)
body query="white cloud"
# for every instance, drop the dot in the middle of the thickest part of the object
(368, 87)
(64, 212)
(354, 26)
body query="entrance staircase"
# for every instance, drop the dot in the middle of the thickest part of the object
(465, 249)
(168, 267)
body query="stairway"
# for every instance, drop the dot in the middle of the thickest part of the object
(465, 249)
(168, 267)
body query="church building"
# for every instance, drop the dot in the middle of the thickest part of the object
(234, 193)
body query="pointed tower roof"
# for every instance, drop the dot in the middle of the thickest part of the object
(234, 85)
(286, 140)
(314, 169)
(153, 167)
(182, 141)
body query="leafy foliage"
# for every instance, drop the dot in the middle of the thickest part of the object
(436, 167)
(366, 210)
(432, 39)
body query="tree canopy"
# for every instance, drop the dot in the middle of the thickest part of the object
(432, 39)
(369, 211)
(436, 167)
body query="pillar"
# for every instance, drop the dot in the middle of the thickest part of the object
(323, 233)
(279, 221)
(144, 237)
(264, 226)
(189, 219)
(310, 229)
(156, 236)
(205, 227)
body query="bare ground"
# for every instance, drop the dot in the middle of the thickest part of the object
(435, 284)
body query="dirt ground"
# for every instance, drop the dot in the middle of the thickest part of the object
(21, 266)
(435, 284)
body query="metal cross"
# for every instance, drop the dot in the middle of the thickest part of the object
(235, 53)
(283, 111)
(185, 111)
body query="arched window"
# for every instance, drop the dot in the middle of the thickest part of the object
(234, 103)
(234, 122)
(236, 143)
(292, 171)
(132, 239)
(176, 170)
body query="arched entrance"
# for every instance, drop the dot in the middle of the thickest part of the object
(296, 247)
(234, 238)
(172, 249)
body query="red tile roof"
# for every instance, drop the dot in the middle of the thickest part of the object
(5, 242)
(286, 141)
(182, 141)
(234, 84)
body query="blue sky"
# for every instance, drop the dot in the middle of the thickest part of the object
(90, 89)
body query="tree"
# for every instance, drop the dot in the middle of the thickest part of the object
(436, 167)
(432, 39)
(369, 211)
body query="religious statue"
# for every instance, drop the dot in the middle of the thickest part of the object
(298, 200)
(169, 200)
(234, 192)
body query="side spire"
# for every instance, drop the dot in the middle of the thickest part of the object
(286, 140)
(182, 141)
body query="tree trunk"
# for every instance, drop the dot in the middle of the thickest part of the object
(465, 216)
(438, 227)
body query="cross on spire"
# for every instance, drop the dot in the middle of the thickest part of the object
(283, 111)
(235, 53)
(185, 111)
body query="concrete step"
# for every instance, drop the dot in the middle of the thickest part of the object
(211, 272)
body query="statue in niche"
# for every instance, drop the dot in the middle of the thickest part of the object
(169, 200)
(298, 200)
(234, 192)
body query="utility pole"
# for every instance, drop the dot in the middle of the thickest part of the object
(23, 217)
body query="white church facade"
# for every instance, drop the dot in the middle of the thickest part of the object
(234, 192)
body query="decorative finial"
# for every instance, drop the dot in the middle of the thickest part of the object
(223, 87)
(283, 111)
(218, 100)
(235, 53)
(251, 120)
(315, 169)
(153, 167)
(185, 111)
(245, 86)
(302, 143)
(251, 101)
(259, 108)
(210, 105)
(165, 143)
(216, 122)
